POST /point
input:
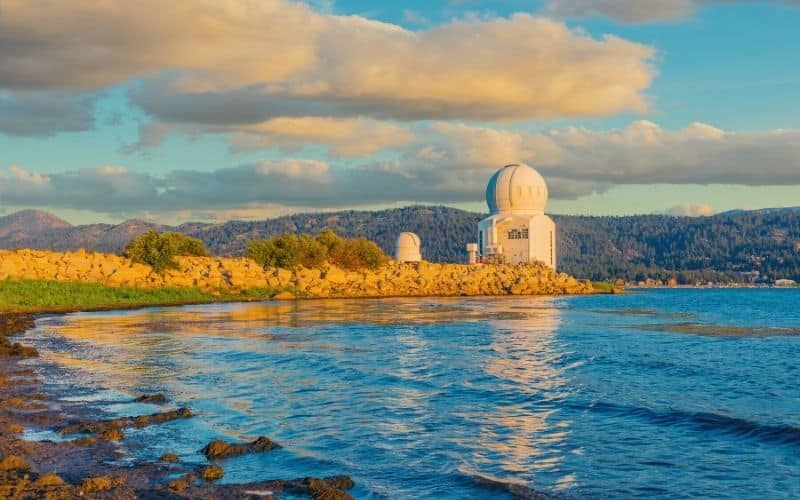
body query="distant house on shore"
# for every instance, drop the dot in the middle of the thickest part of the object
(784, 283)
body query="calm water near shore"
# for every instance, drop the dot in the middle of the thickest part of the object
(658, 393)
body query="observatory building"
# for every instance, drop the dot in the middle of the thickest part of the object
(408, 248)
(517, 230)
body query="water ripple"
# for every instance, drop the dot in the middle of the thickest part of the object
(465, 398)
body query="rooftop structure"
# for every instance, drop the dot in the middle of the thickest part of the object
(517, 229)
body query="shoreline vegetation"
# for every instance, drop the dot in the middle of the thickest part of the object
(172, 269)
(48, 296)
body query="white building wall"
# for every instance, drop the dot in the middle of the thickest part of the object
(543, 240)
(516, 239)
(523, 239)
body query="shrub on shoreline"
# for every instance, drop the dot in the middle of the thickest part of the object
(159, 249)
(289, 251)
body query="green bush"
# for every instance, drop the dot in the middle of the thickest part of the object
(159, 249)
(289, 251)
(358, 253)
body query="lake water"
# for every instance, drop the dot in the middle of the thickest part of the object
(658, 393)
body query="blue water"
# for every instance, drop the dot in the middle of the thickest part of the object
(659, 393)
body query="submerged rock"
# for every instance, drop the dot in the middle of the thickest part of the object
(211, 472)
(330, 488)
(151, 398)
(169, 458)
(49, 479)
(112, 434)
(11, 323)
(158, 418)
(220, 449)
(103, 426)
(84, 442)
(16, 349)
(14, 428)
(182, 482)
(102, 483)
(24, 484)
(13, 462)
(516, 490)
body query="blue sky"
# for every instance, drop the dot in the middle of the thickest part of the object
(680, 107)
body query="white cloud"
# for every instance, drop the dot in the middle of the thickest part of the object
(446, 163)
(634, 11)
(347, 137)
(22, 175)
(639, 11)
(43, 113)
(688, 210)
(239, 62)
(642, 153)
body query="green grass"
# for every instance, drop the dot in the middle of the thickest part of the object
(603, 287)
(41, 295)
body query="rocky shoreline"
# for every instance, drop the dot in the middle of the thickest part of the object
(84, 463)
(82, 467)
(237, 274)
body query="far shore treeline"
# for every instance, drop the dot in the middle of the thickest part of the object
(759, 246)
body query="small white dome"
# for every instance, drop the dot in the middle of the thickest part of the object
(408, 248)
(516, 188)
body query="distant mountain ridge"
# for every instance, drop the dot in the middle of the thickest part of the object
(19, 224)
(719, 247)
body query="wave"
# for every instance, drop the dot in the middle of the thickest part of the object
(783, 434)
(517, 490)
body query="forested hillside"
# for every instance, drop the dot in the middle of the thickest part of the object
(727, 247)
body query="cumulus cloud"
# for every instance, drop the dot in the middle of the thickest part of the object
(243, 62)
(349, 137)
(151, 135)
(687, 210)
(639, 11)
(446, 163)
(642, 153)
(105, 189)
(43, 113)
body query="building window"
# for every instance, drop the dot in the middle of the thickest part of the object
(518, 234)
(480, 241)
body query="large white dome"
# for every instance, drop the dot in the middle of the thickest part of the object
(516, 188)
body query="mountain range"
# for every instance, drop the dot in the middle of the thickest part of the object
(758, 245)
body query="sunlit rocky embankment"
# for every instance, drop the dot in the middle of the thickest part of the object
(232, 274)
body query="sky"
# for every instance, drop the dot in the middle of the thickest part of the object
(246, 109)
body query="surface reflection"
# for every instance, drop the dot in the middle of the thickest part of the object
(412, 396)
(155, 346)
(525, 361)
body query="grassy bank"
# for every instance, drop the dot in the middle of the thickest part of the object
(602, 287)
(53, 296)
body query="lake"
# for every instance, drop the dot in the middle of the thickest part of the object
(657, 393)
